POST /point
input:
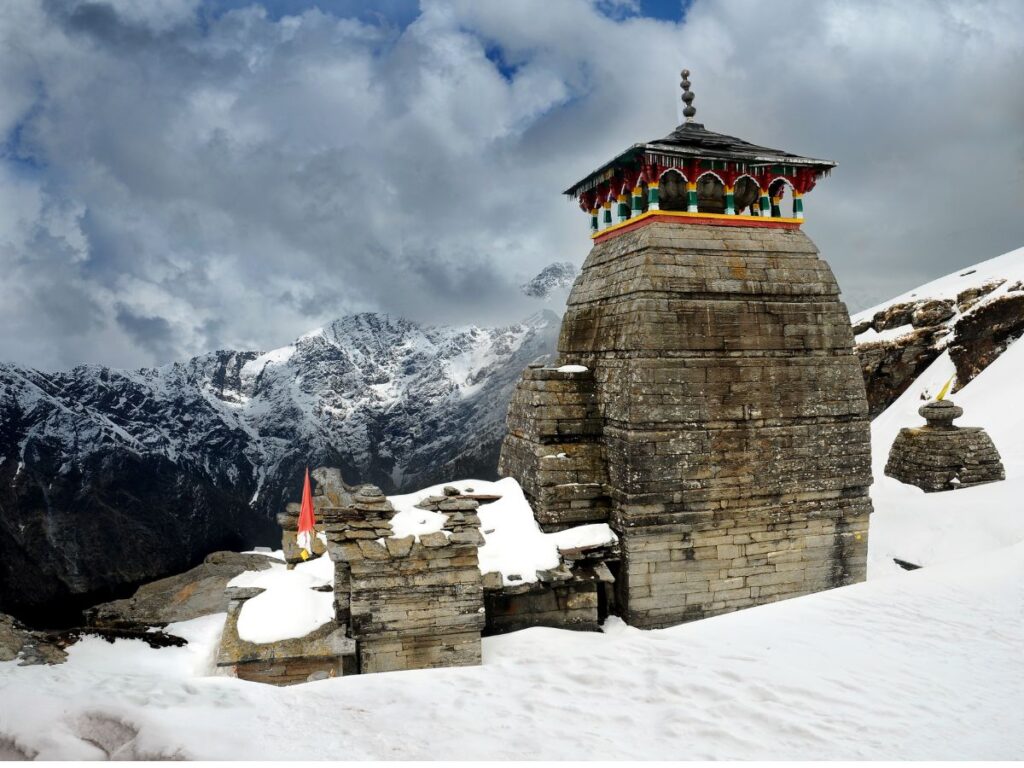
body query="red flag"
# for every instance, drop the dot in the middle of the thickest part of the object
(306, 520)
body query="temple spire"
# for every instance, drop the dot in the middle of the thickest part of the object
(689, 110)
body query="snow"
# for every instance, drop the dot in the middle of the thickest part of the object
(254, 368)
(515, 546)
(871, 335)
(289, 606)
(410, 521)
(573, 369)
(922, 665)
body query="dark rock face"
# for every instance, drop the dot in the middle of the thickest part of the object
(984, 334)
(732, 417)
(889, 367)
(109, 479)
(976, 329)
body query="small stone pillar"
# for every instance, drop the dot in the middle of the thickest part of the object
(941, 456)
(409, 604)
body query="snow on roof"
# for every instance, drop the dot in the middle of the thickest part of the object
(515, 545)
(289, 606)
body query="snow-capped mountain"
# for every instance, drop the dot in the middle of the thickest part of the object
(554, 279)
(109, 477)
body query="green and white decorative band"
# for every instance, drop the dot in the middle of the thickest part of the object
(652, 196)
(595, 224)
(606, 214)
(798, 205)
(765, 203)
(777, 207)
(730, 200)
(637, 201)
(691, 196)
(622, 207)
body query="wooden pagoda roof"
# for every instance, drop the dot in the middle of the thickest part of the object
(692, 141)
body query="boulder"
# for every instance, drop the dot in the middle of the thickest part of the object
(932, 312)
(969, 297)
(29, 647)
(893, 316)
(13, 636)
(188, 595)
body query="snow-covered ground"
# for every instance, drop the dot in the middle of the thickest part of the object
(925, 664)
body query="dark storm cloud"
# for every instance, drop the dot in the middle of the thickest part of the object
(177, 177)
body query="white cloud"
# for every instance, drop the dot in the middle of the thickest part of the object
(177, 186)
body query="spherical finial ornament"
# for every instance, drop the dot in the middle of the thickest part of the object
(689, 110)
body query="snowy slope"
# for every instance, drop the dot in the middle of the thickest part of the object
(993, 279)
(924, 665)
(1008, 267)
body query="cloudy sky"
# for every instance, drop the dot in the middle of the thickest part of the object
(179, 176)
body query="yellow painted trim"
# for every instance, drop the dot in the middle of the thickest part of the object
(689, 215)
(637, 191)
(653, 185)
(691, 186)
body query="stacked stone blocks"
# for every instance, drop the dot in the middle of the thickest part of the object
(409, 604)
(554, 445)
(941, 456)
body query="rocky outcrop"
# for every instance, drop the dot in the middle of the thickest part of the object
(984, 334)
(197, 592)
(110, 479)
(889, 367)
(976, 328)
(550, 280)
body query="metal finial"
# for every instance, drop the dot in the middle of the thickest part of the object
(689, 110)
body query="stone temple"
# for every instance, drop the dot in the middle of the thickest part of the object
(941, 456)
(706, 400)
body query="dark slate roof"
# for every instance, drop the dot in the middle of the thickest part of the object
(693, 140)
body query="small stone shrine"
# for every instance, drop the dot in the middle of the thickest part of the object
(941, 456)
(399, 603)
(707, 401)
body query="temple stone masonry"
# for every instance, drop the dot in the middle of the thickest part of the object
(554, 447)
(707, 400)
(409, 604)
(941, 456)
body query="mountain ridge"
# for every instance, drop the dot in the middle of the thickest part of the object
(109, 478)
